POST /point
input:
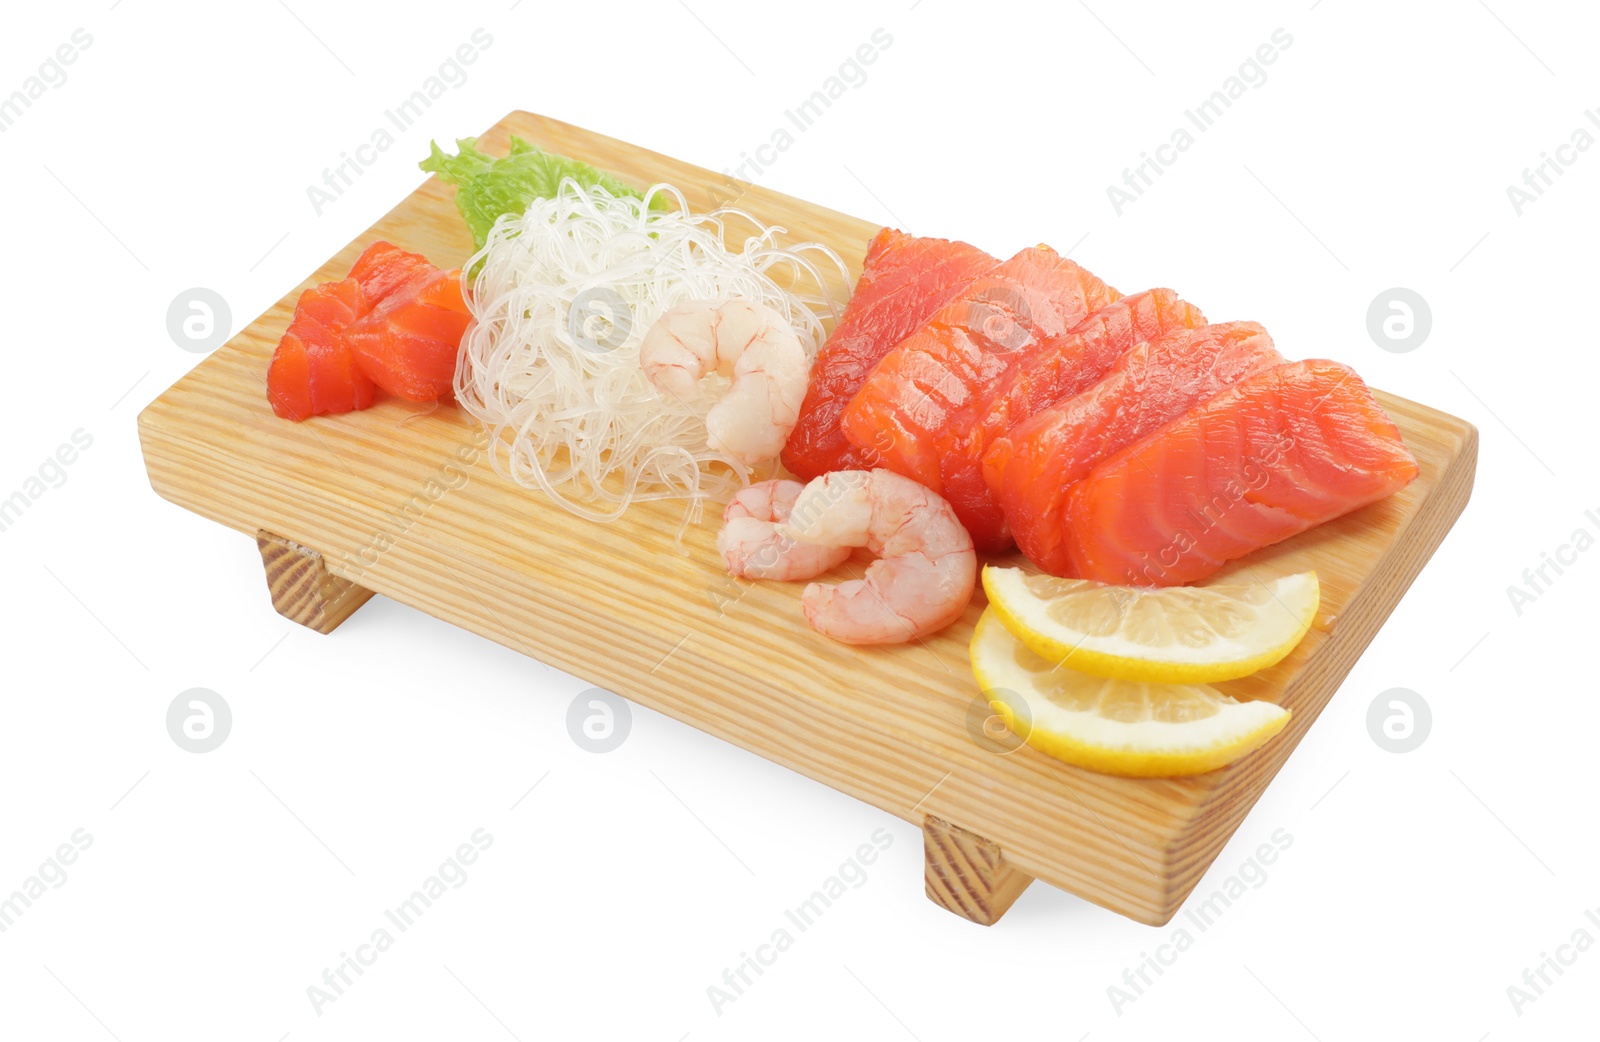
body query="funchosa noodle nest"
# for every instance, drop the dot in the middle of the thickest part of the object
(562, 296)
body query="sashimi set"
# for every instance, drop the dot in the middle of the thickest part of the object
(622, 348)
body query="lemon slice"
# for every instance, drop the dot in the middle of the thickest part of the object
(1174, 635)
(1134, 729)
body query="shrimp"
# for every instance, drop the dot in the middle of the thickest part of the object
(926, 567)
(750, 544)
(743, 339)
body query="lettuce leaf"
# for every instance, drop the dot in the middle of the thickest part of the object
(487, 187)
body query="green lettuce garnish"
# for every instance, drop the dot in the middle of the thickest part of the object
(487, 187)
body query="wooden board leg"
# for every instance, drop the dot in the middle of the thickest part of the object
(967, 874)
(302, 588)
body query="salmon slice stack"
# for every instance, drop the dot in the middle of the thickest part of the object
(904, 281)
(920, 407)
(395, 323)
(1277, 453)
(407, 344)
(313, 371)
(383, 268)
(1063, 366)
(1039, 461)
(1055, 368)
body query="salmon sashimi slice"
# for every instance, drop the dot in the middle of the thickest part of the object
(1277, 453)
(396, 323)
(921, 403)
(904, 281)
(1064, 366)
(1054, 368)
(313, 370)
(1150, 385)
(383, 268)
(408, 343)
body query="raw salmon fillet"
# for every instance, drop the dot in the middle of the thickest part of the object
(1048, 371)
(1275, 454)
(407, 344)
(903, 282)
(396, 323)
(383, 268)
(1063, 366)
(1147, 387)
(313, 370)
(922, 402)
(1054, 368)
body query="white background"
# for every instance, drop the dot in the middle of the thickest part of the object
(218, 887)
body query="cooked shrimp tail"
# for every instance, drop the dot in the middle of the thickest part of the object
(744, 340)
(926, 567)
(751, 545)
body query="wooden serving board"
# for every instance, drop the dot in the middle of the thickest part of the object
(403, 502)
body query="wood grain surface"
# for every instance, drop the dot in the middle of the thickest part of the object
(967, 874)
(302, 588)
(401, 500)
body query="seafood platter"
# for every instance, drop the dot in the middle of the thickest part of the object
(1059, 572)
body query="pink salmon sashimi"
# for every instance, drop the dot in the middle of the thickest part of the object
(904, 280)
(1151, 385)
(1279, 452)
(919, 404)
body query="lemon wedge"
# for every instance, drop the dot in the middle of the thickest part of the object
(1171, 635)
(1129, 728)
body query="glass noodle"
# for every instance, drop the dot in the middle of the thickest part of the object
(562, 296)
